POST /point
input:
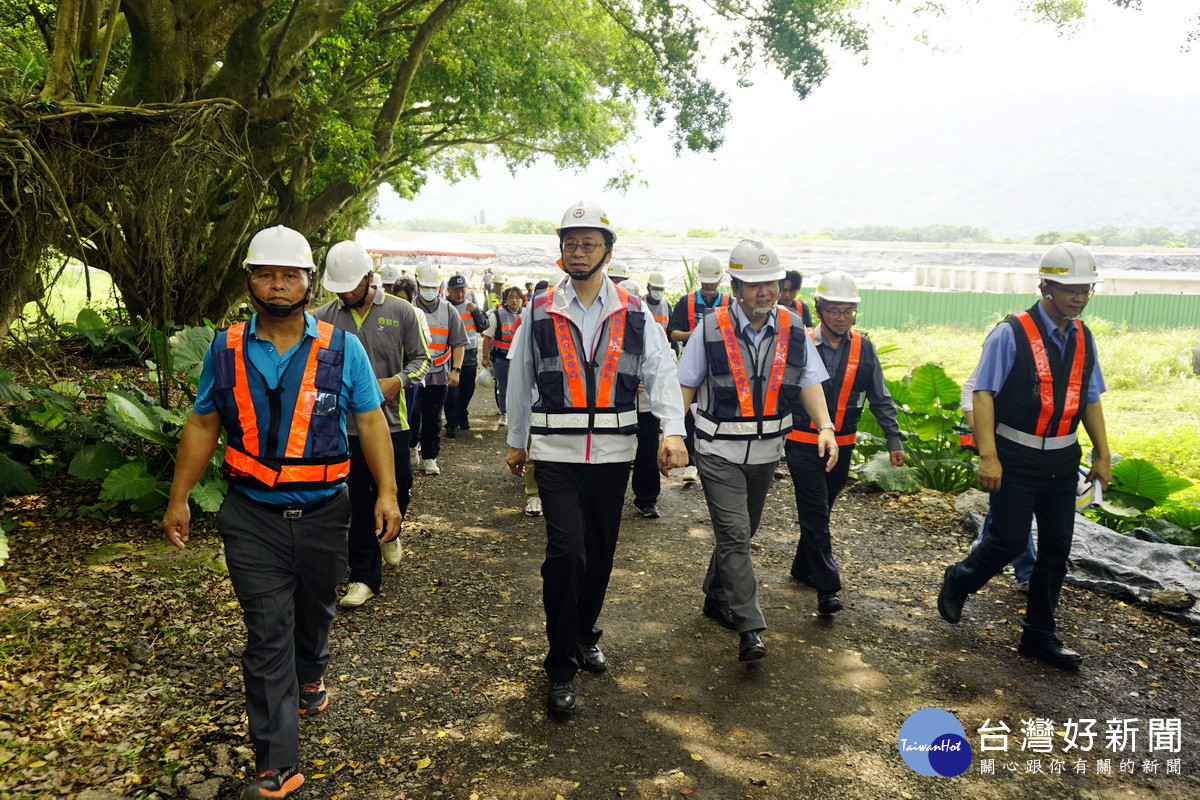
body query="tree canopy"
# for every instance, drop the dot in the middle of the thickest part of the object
(150, 138)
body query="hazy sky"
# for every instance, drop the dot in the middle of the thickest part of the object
(986, 129)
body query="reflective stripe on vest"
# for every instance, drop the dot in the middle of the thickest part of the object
(576, 392)
(577, 395)
(751, 418)
(439, 337)
(1045, 378)
(503, 330)
(722, 301)
(248, 460)
(811, 435)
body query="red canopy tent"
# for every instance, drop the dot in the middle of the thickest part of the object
(435, 244)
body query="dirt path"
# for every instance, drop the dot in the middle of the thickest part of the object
(437, 688)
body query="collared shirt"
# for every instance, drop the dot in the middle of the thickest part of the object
(1000, 353)
(883, 407)
(360, 392)
(658, 375)
(693, 369)
(394, 339)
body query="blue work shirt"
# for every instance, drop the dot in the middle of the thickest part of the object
(360, 393)
(1000, 353)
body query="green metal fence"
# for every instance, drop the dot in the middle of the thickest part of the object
(894, 308)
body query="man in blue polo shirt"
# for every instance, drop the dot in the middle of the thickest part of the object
(281, 386)
(1037, 379)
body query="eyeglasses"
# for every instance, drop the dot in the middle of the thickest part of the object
(587, 247)
(1077, 291)
(847, 314)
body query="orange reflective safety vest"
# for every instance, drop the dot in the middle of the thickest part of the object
(837, 396)
(505, 320)
(580, 392)
(755, 402)
(439, 332)
(286, 437)
(661, 311)
(1044, 397)
(468, 321)
(694, 303)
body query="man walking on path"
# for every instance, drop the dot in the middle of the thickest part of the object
(855, 376)
(575, 363)
(458, 398)
(745, 367)
(390, 330)
(1037, 379)
(447, 342)
(497, 338)
(281, 386)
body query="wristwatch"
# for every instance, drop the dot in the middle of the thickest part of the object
(459, 369)
(826, 425)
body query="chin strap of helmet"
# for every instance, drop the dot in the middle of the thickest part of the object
(361, 301)
(278, 310)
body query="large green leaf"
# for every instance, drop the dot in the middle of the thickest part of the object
(188, 347)
(935, 425)
(1140, 477)
(10, 390)
(89, 320)
(135, 417)
(1181, 514)
(899, 392)
(15, 478)
(1172, 533)
(879, 471)
(1128, 499)
(154, 499)
(930, 387)
(94, 462)
(129, 482)
(209, 494)
(1176, 483)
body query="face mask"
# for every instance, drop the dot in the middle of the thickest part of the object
(654, 297)
(428, 295)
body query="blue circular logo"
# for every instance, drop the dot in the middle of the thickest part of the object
(933, 742)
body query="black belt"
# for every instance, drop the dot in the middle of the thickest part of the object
(292, 510)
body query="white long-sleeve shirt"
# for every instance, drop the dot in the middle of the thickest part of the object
(658, 374)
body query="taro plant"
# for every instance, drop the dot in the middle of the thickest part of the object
(1140, 497)
(127, 443)
(927, 404)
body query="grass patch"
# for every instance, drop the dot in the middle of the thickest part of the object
(70, 294)
(1152, 402)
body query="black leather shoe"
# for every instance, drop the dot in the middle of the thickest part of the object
(1051, 651)
(750, 646)
(950, 600)
(649, 511)
(591, 658)
(828, 603)
(805, 578)
(466, 426)
(561, 699)
(718, 610)
(451, 433)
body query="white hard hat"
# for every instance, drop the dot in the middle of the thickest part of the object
(710, 270)
(389, 274)
(429, 276)
(755, 260)
(837, 287)
(1070, 264)
(585, 214)
(656, 280)
(346, 264)
(618, 269)
(632, 287)
(279, 247)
